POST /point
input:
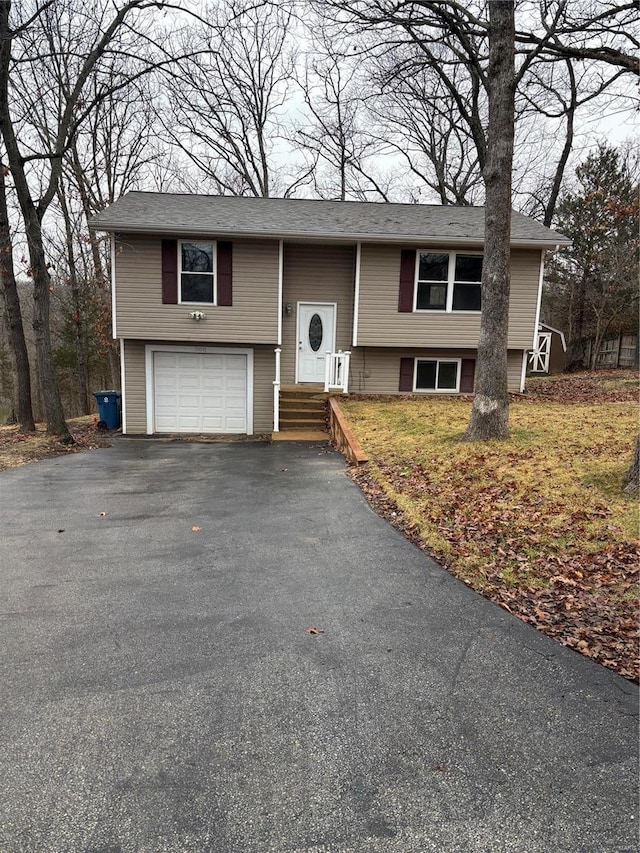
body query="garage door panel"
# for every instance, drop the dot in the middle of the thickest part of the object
(200, 392)
(211, 424)
(189, 401)
(166, 380)
(166, 359)
(167, 424)
(189, 381)
(235, 383)
(188, 361)
(232, 360)
(213, 382)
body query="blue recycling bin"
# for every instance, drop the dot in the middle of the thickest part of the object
(109, 407)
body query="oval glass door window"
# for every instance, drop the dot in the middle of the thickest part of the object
(315, 332)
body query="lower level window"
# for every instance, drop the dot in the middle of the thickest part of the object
(437, 375)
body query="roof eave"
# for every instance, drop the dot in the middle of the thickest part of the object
(355, 237)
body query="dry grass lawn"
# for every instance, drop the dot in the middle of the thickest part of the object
(538, 523)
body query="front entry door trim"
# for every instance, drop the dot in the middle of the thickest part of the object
(310, 363)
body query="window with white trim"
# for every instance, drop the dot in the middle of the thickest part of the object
(196, 273)
(448, 281)
(437, 375)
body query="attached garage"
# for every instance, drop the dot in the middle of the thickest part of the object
(199, 390)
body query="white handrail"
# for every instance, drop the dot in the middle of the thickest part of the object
(336, 374)
(276, 393)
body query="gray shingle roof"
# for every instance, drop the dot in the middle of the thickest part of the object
(199, 215)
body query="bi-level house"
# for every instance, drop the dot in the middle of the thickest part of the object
(217, 301)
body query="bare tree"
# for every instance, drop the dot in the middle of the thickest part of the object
(226, 101)
(334, 135)
(447, 36)
(430, 96)
(114, 152)
(48, 56)
(490, 412)
(421, 122)
(13, 315)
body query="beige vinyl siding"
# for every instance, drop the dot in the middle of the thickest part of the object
(377, 370)
(134, 391)
(140, 314)
(523, 297)
(135, 386)
(264, 367)
(380, 323)
(316, 274)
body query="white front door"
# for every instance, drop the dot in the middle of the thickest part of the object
(316, 335)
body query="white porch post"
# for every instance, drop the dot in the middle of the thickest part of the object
(276, 393)
(327, 370)
(346, 362)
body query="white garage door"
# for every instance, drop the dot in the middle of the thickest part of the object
(200, 392)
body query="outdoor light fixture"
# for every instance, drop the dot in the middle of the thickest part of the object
(197, 315)
(288, 309)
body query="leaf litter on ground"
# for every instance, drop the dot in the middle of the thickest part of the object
(539, 523)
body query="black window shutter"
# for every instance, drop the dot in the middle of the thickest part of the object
(406, 374)
(170, 272)
(407, 280)
(224, 271)
(467, 375)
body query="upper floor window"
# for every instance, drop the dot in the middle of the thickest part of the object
(448, 281)
(196, 273)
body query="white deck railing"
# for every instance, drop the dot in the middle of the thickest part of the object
(276, 393)
(336, 375)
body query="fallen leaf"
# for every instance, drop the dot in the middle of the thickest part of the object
(195, 528)
(313, 630)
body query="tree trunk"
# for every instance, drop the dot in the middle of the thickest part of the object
(490, 412)
(56, 424)
(13, 314)
(632, 477)
(114, 366)
(77, 317)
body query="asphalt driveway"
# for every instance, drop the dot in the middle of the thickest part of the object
(160, 692)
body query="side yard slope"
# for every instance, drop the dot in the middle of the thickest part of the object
(539, 523)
